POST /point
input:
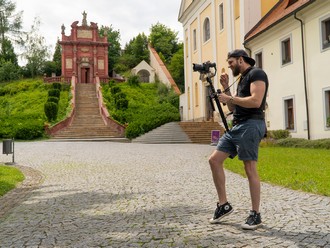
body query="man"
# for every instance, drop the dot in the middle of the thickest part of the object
(243, 139)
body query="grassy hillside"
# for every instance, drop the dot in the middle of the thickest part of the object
(142, 106)
(22, 108)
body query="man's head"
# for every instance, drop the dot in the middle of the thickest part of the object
(238, 60)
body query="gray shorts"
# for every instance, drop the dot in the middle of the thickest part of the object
(243, 140)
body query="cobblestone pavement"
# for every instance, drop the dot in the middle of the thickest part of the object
(104, 194)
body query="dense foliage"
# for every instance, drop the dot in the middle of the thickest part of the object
(164, 40)
(145, 106)
(22, 108)
(135, 51)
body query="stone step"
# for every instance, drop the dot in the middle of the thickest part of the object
(181, 132)
(200, 132)
(87, 122)
(167, 133)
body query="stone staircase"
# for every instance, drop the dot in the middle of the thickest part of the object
(200, 132)
(168, 133)
(87, 122)
(180, 132)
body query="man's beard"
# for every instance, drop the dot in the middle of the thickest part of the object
(236, 71)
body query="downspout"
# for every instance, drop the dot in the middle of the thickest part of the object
(304, 69)
(250, 52)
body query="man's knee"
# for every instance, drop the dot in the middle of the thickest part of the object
(213, 161)
(216, 159)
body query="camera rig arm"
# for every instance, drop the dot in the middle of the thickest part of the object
(207, 74)
(214, 95)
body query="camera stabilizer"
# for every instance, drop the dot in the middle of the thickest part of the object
(206, 74)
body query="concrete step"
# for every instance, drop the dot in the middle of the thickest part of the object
(200, 132)
(167, 133)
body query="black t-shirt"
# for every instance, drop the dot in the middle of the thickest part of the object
(243, 90)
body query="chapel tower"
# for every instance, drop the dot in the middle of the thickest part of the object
(84, 52)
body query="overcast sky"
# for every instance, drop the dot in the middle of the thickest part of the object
(130, 17)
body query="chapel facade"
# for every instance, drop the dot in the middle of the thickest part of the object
(84, 52)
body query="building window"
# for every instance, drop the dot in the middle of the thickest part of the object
(289, 114)
(194, 40)
(286, 51)
(327, 107)
(196, 94)
(258, 58)
(206, 28)
(221, 23)
(325, 29)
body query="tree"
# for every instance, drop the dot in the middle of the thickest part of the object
(139, 48)
(7, 53)
(176, 68)
(57, 59)
(135, 51)
(8, 71)
(10, 23)
(113, 37)
(164, 40)
(36, 51)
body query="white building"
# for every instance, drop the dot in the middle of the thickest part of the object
(292, 44)
(212, 28)
(290, 40)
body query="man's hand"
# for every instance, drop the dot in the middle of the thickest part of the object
(224, 80)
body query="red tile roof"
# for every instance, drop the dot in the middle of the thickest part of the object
(279, 12)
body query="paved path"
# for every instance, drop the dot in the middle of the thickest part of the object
(104, 194)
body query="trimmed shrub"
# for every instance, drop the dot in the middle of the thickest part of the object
(111, 83)
(30, 131)
(122, 103)
(54, 92)
(51, 110)
(304, 143)
(114, 90)
(53, 99)
(133, 80)
(57, 86)
(278, 134)
(153, 117)
(118, 96)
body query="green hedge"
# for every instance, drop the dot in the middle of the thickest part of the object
(25, 129)
(304, 143)
(278, 134)
(152, 118)
(57, 86)
(53, 99)
(54, 93)
(30, 131)
(51, 110)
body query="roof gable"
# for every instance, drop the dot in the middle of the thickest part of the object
(282, 10)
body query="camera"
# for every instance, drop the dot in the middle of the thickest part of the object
(204, 68)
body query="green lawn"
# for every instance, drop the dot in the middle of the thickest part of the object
(9, 177)
(296, 168)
